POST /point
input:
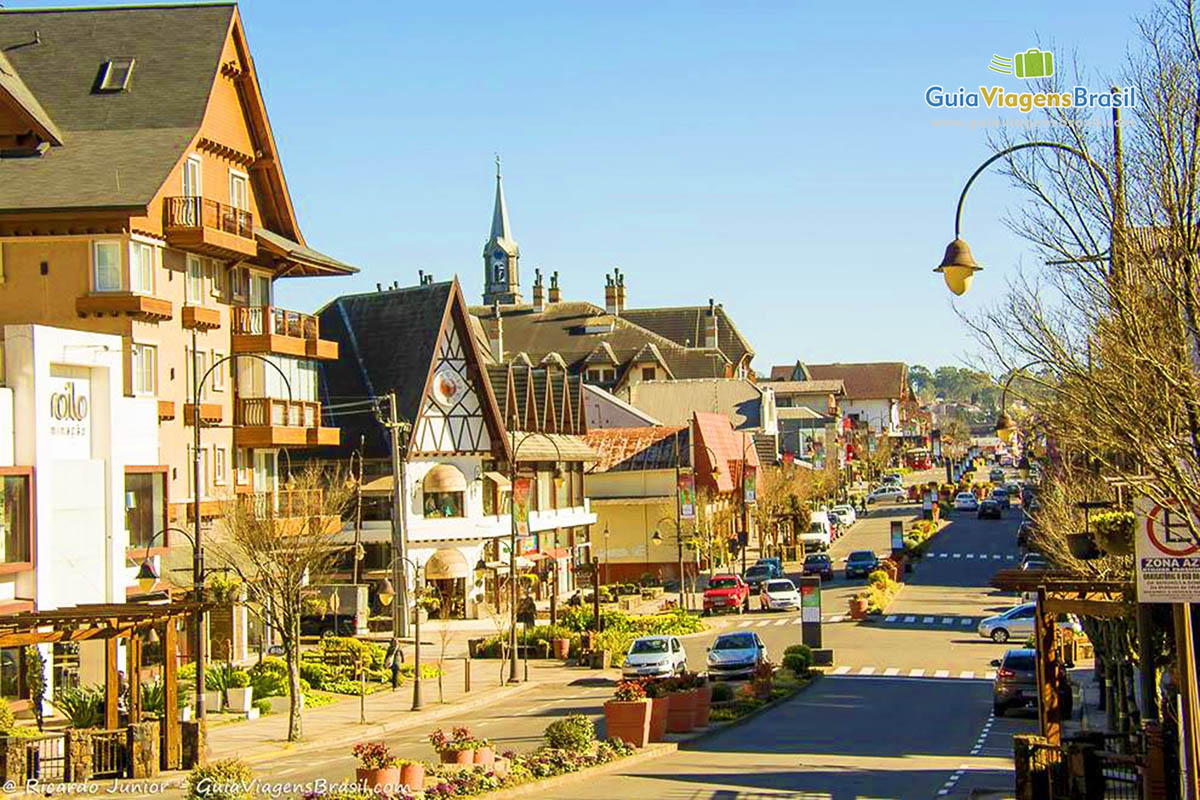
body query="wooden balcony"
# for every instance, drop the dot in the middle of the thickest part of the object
(210, 413)
(270, 422)
(269, 329)
(166, 409)
(200, 225)
(200, 318)
(115, 304)
(294, 509)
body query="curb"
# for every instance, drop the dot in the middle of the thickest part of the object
(713, 730)
(370, 730)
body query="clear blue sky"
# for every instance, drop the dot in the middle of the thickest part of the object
(776, 156)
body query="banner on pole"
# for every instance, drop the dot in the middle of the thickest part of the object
(687, 494)
(749, 484)
(520, 504)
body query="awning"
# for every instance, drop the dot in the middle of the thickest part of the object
(558, 552)
(381, 485)
(498, 478)
(305, 260)
(444, 478)
(446, 564)
(554, 447)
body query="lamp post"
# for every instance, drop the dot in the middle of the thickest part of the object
(387, 594)
(198, 382)
(657, 539)
(607, 576)
(512, 548)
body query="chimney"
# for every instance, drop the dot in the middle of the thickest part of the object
(620, 290)
(420, 277)
(610, 295)
(539, 292)
(710, 325)
(555, 292)
(496, 339)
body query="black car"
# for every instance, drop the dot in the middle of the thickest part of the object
(327, 625)
(818, 564)
(861, 562)
(757, 574)
(989, 509)
(1015, 685)
(1023, 534)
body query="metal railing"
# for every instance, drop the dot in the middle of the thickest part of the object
(273, 412)
(46, 759)
(284, 503)
(260, 320)
(110, 753)
(1048, 771)
(200, 212)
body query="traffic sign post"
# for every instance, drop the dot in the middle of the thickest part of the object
(1166, 554)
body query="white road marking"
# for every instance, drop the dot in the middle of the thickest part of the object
(942, 673)
(947, 620)
(746, 624)
(997, 557)
(990, 675)
(958, 555)
(779, 622)
(764, 623)
(841, 670)
(867, 671)
(927, 620)
(967, 675)
(890, 671)
(910, 619)
(890, 618)
(916, 673)
(970, 555)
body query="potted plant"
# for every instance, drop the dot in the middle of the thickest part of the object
(703, 699)
(764, 673)
(412, 774)
(456, 749)
(239, 695)
(657, 691)
(562, 647)
(627, 715)
(485, 752)
(377, 770)
(858, 606)
(681, 707)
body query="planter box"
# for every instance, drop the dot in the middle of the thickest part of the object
(457, 756)
(485, 756)
(384, 781)
(628, 720)
(240, 700)
(213, 701)
(703, 705)
(681, 711)
(658, 718)
(412, 776)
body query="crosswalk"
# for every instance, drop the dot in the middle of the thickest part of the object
(953, 622)
(896, 672)
(975, 556)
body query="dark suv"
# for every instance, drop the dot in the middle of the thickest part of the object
(861, 562)
(759, 573)
(1016, 681)
(818, 564)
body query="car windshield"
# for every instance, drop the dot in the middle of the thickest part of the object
(722, 583)
(816, 527)
(816, 560)
(757, 570)
(966, 496)
(1021, 661)
(737, 641)
(780, 586)
(861, 555)
(648, 646)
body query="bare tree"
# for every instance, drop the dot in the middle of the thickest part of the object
(279, 544)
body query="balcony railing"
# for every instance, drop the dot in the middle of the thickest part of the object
(262, 412)
(285, 503)
(200, 212)
(272, 320)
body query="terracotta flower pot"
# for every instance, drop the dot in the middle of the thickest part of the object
(562, 648)
(681, 713)
(858, 608)
(413, 776)
(457, 756)
(703, 705)
(658, 718)
(485, 756)
(383, 781)
(628, 720)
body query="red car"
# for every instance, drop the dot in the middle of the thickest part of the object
(726, 593)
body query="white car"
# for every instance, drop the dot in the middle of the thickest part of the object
(654, 657)
(779, 594)
(1018, 622)
(847, 514)
(887, 494)
(965, 501)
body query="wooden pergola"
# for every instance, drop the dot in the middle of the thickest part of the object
(111, 622)
(1060, 593)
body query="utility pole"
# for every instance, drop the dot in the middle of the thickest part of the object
(358, 479)
(398, 428)
(678, 530)
(197, 545)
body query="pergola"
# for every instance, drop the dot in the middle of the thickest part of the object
(1060, 593)
(111, 622)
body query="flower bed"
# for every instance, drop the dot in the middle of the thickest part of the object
(881, 590)
(546, 762)
(746, 700)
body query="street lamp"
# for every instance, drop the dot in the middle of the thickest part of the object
(387, 594)
(1006, 427)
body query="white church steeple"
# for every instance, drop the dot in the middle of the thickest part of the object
(501, 278)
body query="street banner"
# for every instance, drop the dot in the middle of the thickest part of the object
(749, 484)
(810, 603)
(897, 531)
(520, 502)
(687, 494)
(1166, 554)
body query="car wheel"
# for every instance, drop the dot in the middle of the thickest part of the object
(999, 636)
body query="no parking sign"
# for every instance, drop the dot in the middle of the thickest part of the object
(1166, 554)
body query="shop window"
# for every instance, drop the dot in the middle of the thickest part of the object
(17, 536)
(12, 676)
(65, 666)
(145, 507)
(444, 488)
(647, 373)
(562, 487)
(443, 504)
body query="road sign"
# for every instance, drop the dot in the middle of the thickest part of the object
(1166, 554)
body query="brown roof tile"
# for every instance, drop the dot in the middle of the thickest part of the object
(866, 381)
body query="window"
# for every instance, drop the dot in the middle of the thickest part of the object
(239, 191)
(15, 521)
(146, 508)
(141, 267)
(218, 375)
(260, 290)
(192, 186)
(196, 373)
(256, 379)
(12, 673)
(443, 504)
(241, 464)
(443, 488)
(562, 488)
(115, 74)
(64, 666)
(194, 286)
(545, 488)
(647, 373)
(219, 456)
(106, 267)
(216, 279)
(610, 375)
(143, 369)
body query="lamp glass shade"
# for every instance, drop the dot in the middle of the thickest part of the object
(656, 538)
(387, 592)
(147, 576)
(958, 267)
(152, 636)
(1006, 428)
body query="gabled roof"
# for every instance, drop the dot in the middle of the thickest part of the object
(631, 449)
(783, 388)
(685, 326)
(793, 372)
(867, 381)
(673, 402)
(544, 399)
(729, 448)
(604, 409)
(25, 103)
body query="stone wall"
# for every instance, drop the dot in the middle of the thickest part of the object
(194, 743)
(143, 749)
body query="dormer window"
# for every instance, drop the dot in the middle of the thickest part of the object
(115, 73)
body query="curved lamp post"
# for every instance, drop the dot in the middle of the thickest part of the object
(657, 539)
(1006, 426)
(387, 593)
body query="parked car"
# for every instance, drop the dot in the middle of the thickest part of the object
(1015, 685)
(887, 494)
(735, 655)
(990, 509)
(1001, 497)
(1023, 533)
(819, 534)
(893, 479)
(846, 512)
(654, 656)
(1013, 488)
(818, 564)
(726, 593)
(861, 562)
(327, 625)
(996, 475)
(779, 595)
(759, 574)
(965, 501)
(1035, 562)
(1018, 622)
(778, 562)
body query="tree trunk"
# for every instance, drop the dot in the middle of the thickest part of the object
(291, 651)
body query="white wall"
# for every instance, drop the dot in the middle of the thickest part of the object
(876, 413)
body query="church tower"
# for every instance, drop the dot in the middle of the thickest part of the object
(501, 280)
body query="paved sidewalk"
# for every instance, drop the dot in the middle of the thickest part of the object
(386, 711)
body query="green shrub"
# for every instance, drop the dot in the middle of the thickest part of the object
(575, 733)
(722, 693)
(316, 673)
(647, 579)
(269, 684)
(228, 779)
(273, 664)
(798, 658)
(81, 705)
(238, 679)
(8, 720)
(263, 705)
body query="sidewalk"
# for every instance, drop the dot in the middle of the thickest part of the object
(386, 711)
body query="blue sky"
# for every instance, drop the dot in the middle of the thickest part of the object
(776, 156)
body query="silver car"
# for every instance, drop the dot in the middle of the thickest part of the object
(654, 657)
(1018, 622)
(735, 655)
